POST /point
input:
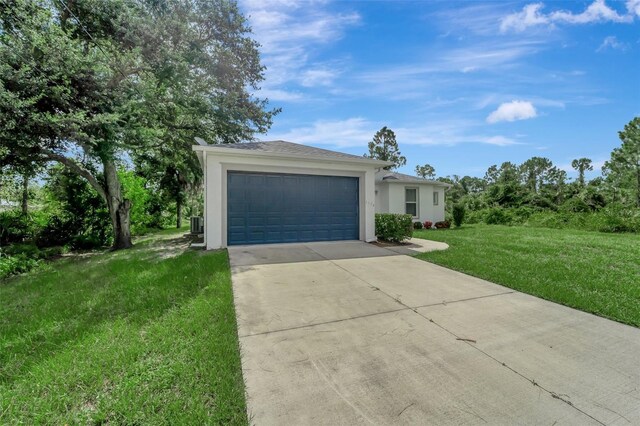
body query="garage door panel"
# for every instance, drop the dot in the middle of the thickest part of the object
(271, 208)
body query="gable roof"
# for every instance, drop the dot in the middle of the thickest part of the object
(288, 149)
(389, 176)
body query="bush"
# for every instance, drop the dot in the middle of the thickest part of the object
(458, 212)
(417, 225)
(14, 227)
(575, 205)
(393, 227)
(444, 224)
(12, 265)
(428, 224)
(86, 242)
(30, 250)
(498, 216)
(55, 233)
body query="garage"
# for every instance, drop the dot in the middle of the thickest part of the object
(282, 192)
(267, 208)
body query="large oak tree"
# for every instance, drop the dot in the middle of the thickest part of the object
(91, 84)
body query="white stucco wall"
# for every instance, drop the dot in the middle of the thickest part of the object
(391, 200)
(216, 165)
(382, 199)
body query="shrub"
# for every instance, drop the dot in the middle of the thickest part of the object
(417, 225)
(443, 224)
(12, 265)
(14, 227)
(428, 224)
(458, 213)
(498, 216)
(55, 233)
(29, 250)
(393, 227)
(86, 242)
(575, 205)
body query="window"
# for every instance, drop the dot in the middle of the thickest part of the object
(435, 198)
(411, 201)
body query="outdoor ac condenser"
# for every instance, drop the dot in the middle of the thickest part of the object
(197, 225)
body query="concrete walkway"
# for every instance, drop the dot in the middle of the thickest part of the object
(351, 333)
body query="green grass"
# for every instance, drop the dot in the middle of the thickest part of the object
(590, 271)
(143, 336)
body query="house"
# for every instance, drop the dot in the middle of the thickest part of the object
(399, 193)
(276, 192)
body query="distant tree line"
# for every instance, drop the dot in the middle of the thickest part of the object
(537, 192)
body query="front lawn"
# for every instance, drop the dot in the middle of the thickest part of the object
(143, 336)
(590, 271)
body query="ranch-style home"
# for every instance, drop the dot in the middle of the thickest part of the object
(280, 192)
(422, 198)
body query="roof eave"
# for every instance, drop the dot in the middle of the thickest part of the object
(247, 153)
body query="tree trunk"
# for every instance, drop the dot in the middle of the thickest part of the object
(25, 194)
(178, 213)
(119, 207)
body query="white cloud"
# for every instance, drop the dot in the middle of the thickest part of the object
(531, 15)
(280, 95)
(512, 111)
(611, 42)
(318, 77)
(290, 32)
(633, 6)
(339, 133)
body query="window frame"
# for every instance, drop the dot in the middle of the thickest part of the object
(436, 198)
(416, 202)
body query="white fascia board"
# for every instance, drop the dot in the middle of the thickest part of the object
(414, 182)
(221, 150)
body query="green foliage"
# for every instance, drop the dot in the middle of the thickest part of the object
(78, 216)
(393, 227)
(133, 188)
(575, 205)
(426, 172)
(443, 224)
(14, 227)
(498, 216)
(13, 265)
(623, 169)
(384, 147)
(458, 214)
(611, 219)
(89, 84)
(417, 225)
(582, 165)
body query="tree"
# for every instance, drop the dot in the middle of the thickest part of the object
(623, 169)
(581, 165)
(535, 171)
(426, 172)
(88, 83)
(384, 147)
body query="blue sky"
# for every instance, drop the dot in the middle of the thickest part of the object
(463, 84)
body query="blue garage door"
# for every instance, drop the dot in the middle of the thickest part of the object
(276, 208)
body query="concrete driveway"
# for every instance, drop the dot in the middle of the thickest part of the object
(350, 333)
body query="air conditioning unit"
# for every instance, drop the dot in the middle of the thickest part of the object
(197, 225)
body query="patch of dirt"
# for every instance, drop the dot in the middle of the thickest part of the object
(389, 244)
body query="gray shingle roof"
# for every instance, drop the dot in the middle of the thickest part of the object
(387, 175)
(290, 148)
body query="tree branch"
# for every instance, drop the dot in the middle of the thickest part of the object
(77, 168)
